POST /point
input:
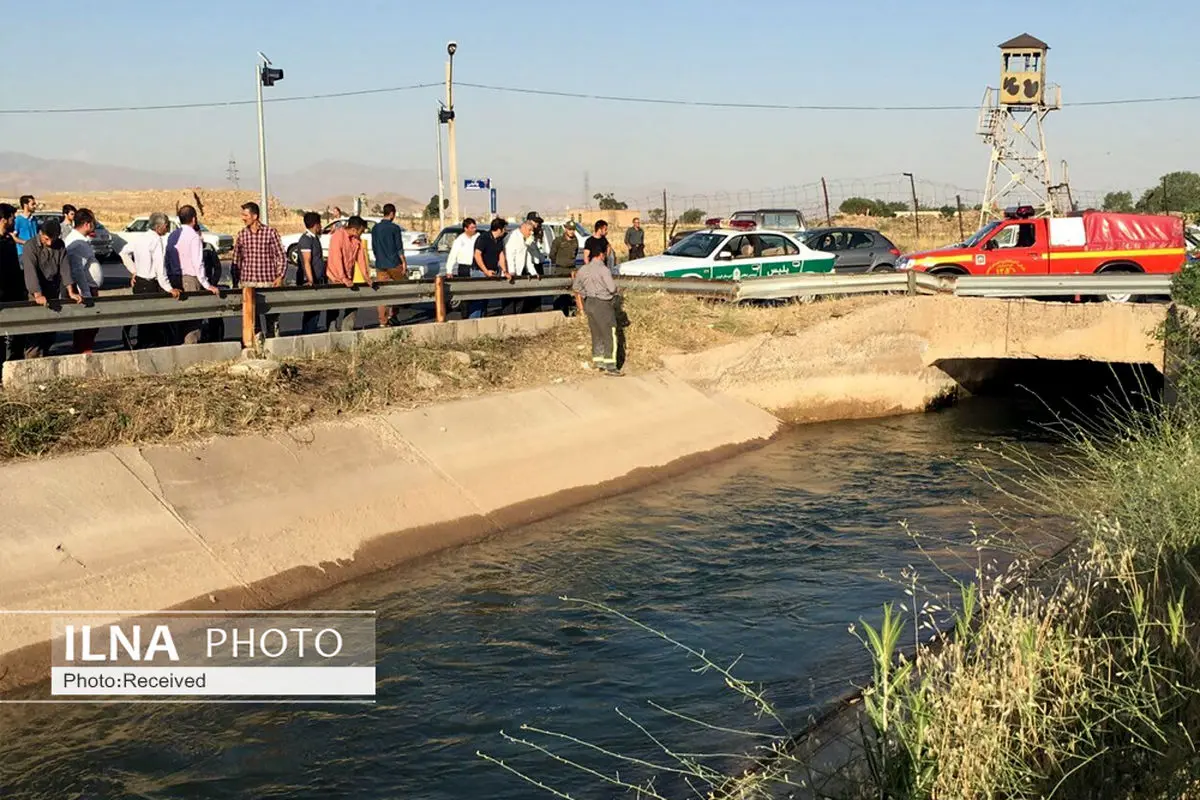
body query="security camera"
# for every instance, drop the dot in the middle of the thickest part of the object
(452, 47)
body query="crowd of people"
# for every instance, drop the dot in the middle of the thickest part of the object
(55, 261)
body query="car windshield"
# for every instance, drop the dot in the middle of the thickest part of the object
(698, 245)
(981, 234)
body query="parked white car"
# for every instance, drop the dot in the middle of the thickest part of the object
(414, 241)
(221, 243)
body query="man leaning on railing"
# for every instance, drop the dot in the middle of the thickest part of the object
(47, 276)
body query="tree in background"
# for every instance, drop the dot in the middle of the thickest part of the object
(609, 203)
(431, 208)
(947, 212)
(1176, 191)
(655, 215)
(857, 206)
(693, 216)
(1118, 201)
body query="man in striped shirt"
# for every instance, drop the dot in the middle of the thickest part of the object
(258, 259)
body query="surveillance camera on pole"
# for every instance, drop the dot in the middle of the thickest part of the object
(446, 115)
(264, 75)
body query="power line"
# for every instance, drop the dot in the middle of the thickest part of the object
(791, 107)
(217, 104)
(660, 101)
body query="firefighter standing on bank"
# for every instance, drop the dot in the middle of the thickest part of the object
(594, 281)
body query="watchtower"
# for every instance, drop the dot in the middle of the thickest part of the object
(1011, 122)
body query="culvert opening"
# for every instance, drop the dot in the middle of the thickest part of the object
(1078, 383)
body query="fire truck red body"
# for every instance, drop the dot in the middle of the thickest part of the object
(1092, 241)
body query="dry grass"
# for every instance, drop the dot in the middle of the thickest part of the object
(68, 415)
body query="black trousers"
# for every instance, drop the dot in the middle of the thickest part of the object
(155, 334)
(637, 251)
(602, 323)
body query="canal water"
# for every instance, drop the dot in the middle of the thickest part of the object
(769, 556)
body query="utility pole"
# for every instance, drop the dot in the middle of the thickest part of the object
(441, 196)
(912, 182)
(264, 75)
(664, 219)
(231, 172)
(451, 49)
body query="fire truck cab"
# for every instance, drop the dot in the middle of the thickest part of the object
(1085, 242)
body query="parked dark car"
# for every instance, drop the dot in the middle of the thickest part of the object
(855, 249)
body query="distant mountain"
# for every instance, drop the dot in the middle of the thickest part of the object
(26, 174)
(329, 182)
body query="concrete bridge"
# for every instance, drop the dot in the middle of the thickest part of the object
(909, 353)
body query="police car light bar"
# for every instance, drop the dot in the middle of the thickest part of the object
(1019, 212)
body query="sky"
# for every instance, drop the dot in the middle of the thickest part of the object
(915, 53)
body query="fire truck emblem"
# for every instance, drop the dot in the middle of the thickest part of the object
(1006, 268)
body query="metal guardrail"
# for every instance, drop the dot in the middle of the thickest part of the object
(114, 310)
(1114, 283)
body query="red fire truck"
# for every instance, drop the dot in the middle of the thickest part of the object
(1086, 242)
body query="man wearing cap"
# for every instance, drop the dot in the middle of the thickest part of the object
(565, 250)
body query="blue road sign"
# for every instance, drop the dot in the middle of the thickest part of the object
(493, 201)
(477, 184)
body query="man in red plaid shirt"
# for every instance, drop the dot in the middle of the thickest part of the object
(258, 259)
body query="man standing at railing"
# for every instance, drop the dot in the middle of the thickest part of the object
(12, 279)
(259, 260)
(387, 242)
(522, 257)
(311, 271)
(85, 268)
(47, 277)
(145, 258)
(460, 261)
(185, 258)
(348, 265)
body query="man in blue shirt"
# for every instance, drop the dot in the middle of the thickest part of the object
(26, 227)
(387, 244)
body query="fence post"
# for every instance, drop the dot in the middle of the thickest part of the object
(961, 231)
(912, 282)
(825, 191)
(249, 317)
(439, 298)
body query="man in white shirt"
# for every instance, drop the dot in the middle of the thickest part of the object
(460, 263)
(522, 257)
(85, 268)
(145, 258)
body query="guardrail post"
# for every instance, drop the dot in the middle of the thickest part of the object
(578, 297)
(439, 297)
(249, 317)
(912, 283)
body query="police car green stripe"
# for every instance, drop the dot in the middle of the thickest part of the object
(717, 254)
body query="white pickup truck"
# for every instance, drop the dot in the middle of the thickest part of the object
(219, 243)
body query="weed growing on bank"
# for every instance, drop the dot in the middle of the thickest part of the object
(1078, 682)
(66, 415)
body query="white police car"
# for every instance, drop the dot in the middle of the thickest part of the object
(718, 254)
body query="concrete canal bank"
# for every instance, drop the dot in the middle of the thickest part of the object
(258, 521)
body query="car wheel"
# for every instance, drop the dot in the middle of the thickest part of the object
(293, 255)
(1118, 298)
(883, 268)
